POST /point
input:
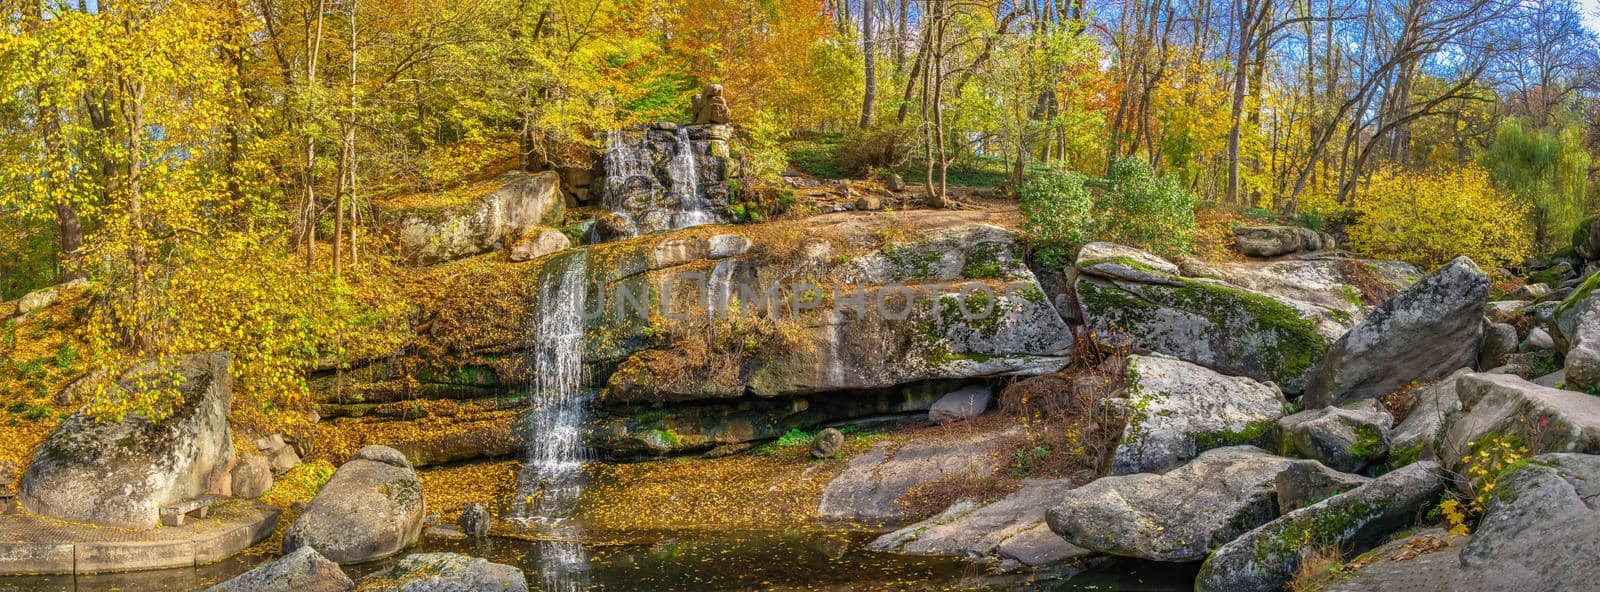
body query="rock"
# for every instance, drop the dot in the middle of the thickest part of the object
(1586, 238)
(1545, 419)
(1432, 408)
(1341, 438)
(122, 473)
(1531, 291)
(1118, 262)
(303, 570)
(445, 572)
(1500, 339)
(1505, 311)
(869, 486)
(283, 459)
(710, 106)
(1325, 282)
(665, 177)
(475, 520)
(1273, 241)
(369, 510)
(1307, 482)
(1556, 274)
(827, 443)
(1538, 340)
(519, 204)
(1264, 559)
(1542, 531)
(1577, 322)
(869, 203)
(1427, 561)
(538, 242)
(43, 297)
(1431, 328)
(1009, 528)
(964, 403)
(722, 246)
(893, 182)
(1177, 516)
(1178, 410)
(449, 532)
(252, 476)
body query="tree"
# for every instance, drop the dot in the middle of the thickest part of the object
(1547, 170)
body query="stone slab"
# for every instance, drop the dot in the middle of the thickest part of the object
(38, 545)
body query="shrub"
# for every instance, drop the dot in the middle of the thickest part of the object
(1056, 207)
(877, 148)
(1429, 218)
(1146, 209)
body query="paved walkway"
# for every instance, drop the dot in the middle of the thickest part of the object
(32, 544)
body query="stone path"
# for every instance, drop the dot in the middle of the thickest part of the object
(32, 544)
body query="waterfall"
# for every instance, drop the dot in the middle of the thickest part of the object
(552, 473)
(684, 173)
(719, 288)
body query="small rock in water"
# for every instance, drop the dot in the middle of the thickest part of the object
(303, 570)
(475, 520)
(827, 443)
(445, 531)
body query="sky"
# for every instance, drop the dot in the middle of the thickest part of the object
(1591, 14)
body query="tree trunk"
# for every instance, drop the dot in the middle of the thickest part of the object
(869, 64)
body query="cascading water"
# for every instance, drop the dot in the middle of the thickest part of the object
(692, 210)
(552, 473)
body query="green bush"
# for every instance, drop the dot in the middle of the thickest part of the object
(1056, 207)
(1146, 209)
(885, 148)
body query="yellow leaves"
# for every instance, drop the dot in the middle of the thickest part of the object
(1430, 218)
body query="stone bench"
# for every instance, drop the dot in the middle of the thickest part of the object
(175, 514)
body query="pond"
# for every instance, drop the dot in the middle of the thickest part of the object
(697, 561)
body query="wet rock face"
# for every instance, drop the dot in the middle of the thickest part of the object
(1176, 410)
(522, 203)
(372, 508)
(120, 474)
(1425, 332)
(664, 177)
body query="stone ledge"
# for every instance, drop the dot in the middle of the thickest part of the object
(38, 545)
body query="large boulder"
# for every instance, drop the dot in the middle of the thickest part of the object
(372, 508)
(1178, 516)
(1007, 529)
(303, 570)
(1177, 410)
(1545, 529)
(480, 218)
(1130, 301)
(963, 403)
(1307, 482)
(1432, 408)
(1545, 419)
(874, 481)
(1328, 282)
(121, 473)
(1345, 439)
(445, 572)
(1586, 238)
(1274, 241)
(1577, 320)
(1114, 261)
(1430, 329)
(538, 242)
(1264, 559)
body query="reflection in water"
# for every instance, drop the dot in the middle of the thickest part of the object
(563, 566)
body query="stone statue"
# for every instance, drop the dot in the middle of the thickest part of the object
(710, 107)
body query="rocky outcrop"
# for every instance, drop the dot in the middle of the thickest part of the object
(121, 473)
(1577, 320)
(1542, 530)
(662, 176)
(1344, 439)
(1275, 241)
(303, 570)
(869, 487)
(1204, 321)
(1428, 330)
(1178, 516)
(489, 216)
(1545, 419)
(1009, 529)
(372, 508)
(1176, 410)
(1264, 559)
(1325, 281)
(446, 572)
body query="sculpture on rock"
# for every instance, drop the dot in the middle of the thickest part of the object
(710, 107)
